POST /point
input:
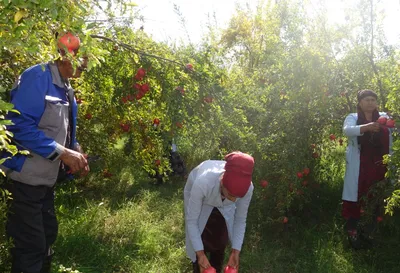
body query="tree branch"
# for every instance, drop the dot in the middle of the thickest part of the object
(137, 51)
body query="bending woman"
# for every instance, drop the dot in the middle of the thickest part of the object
(217, 197)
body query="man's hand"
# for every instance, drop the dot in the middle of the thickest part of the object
(202, 260)
(75, 161)
(78, 148)
(234, 259)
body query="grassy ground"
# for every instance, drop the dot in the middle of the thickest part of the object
(137, 227)
(125, 224)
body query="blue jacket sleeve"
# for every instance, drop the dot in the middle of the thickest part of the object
(29, 99)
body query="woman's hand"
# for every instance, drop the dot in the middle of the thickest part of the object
(202, 260)
(370, 127)
(234, 259)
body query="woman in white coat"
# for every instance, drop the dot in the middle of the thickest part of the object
(368, 142)
(216, 200)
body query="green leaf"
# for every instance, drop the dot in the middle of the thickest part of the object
(5, 106)
(2, 160)
(24, 152)
(91, 25)
(6, 122)
(19, 15)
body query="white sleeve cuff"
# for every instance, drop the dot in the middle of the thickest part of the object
(58, 151)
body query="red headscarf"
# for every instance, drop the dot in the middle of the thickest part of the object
(238, 171)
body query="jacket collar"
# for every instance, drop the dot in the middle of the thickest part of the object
(55, 75)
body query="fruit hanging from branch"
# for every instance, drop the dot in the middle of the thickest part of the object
(189, 67)
(140, 74)
(156, 122)
(264, 183)
(69, 42)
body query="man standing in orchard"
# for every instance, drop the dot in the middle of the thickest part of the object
(46, 127)
(216, 200)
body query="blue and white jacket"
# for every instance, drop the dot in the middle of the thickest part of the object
(42, 98)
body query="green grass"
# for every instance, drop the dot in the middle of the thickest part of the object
(139, 228)
(139, 231)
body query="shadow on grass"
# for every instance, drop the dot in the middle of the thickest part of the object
(89, 254)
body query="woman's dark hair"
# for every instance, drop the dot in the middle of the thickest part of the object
(363, 94)
(366, 93)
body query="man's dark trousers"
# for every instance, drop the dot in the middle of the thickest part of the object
(33, 227)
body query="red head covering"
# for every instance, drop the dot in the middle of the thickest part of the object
(238, 171)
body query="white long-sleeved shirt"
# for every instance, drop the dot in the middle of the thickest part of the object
(202, 193)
